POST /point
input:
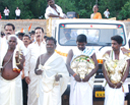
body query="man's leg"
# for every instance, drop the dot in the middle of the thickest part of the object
(25, 89)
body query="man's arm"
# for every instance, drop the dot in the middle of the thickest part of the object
(125, 76)
(36, 70)
(53, 15)
(27, 65)
(87, 77)
(69, 58)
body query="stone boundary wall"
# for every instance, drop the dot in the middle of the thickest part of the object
(19, 24)
(25, 23)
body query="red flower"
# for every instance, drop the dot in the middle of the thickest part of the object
(88, 60)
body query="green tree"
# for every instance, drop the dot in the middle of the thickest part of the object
(125, 12)
(114, 6)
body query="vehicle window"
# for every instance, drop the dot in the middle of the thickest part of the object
(97, 34)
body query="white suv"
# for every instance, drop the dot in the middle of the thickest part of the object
(98, 32)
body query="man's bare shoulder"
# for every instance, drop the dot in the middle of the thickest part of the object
(108, 52)
(42, 55)
(70, 52)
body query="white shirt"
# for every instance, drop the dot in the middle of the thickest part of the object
(17, 12)
(51, 10)
(6, 12)
(107, 13)
(33, 52)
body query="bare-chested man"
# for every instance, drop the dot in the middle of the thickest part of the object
(10, 79)
(54, 75)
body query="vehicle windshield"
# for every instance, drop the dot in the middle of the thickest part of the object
(97, 34)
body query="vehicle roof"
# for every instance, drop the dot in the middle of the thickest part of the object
(89, 21)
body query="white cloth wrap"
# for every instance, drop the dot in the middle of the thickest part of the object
(11, 91)
(81, 93)
(50, 91)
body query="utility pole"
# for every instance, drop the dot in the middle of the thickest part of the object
(96, 1)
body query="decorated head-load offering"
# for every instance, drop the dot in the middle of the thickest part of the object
(115, 68)
(82, 65)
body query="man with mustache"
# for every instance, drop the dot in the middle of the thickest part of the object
(26, 40)
(9, 29)
(54, 10)
(34, 50)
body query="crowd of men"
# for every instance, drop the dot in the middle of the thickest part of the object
(32, 73)
(45, 73)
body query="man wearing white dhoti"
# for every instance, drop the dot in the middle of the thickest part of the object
(54, 75)
(33, 51)
(116, 84)
(10, 78)
(54, 10)
(81, 89)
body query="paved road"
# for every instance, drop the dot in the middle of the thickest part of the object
(101, 103)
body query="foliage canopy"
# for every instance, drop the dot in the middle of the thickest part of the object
(35, 8)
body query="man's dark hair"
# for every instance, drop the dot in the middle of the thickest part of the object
(117, 38)
(51, 38)
(39, 28)
(21, 34)
(81, 38)
(26, 35)
(32, 32)
(10, 24)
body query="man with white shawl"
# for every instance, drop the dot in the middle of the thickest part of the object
(54, 75)
(10, 77)
(117, 85)
(54, 10)
(34, 51)
(81, 92)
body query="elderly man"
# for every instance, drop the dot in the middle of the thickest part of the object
(10, 79)
(54, 10)
(81, 92)
(115, 73)
(53, 75)
(96, 14)
(9, 29)
(34, 50)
